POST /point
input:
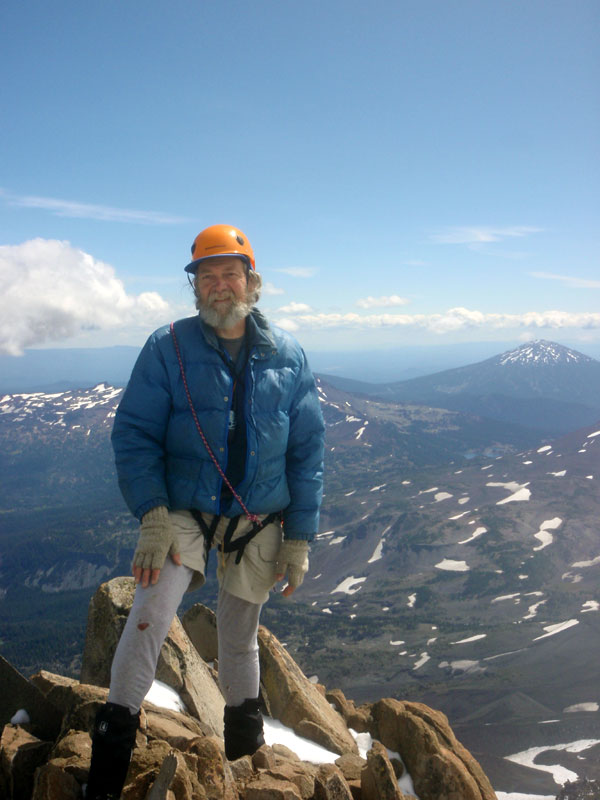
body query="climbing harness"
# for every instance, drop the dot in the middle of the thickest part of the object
(228, 546)
(237, 545)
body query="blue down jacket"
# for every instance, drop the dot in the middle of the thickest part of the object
(160, 457)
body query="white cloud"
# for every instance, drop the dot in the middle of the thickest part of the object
(454, 319)
(568, 280)
(51, 291)
(482, 235)
(298, 272)
(381, 302)
(72, 208)
(295, 308)
(270, 289)
(288, 325)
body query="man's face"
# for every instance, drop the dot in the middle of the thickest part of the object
(222, 291)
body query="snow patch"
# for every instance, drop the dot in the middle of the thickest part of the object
(453, 566)
(347, 585)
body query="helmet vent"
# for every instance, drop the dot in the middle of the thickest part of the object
(239, 239)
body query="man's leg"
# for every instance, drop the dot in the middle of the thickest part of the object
(239, 674)
(132, 673)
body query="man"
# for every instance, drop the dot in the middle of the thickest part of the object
(218, 440)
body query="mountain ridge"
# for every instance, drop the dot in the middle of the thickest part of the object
(539, 384)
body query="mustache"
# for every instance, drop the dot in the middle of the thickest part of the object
(217, 296)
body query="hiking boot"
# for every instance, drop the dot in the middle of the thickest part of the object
(112, 743)
(243, 729)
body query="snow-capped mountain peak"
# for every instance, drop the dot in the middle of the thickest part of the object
(541, 351)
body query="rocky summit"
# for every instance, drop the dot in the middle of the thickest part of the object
(45, 746)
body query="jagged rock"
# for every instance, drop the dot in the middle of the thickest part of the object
(300, 774)
(179, 665)
(173, 727)
(17, 692)
(242, 769)
(283, 752)
(378, 780)
(178, 757)
(20, 755)
(293, 698)
(330, 784)
(107, 615)
(212, 769)
(359, 719)
(77, 702)
(265, 787)
(264, 758)
(51, 782)
(73, 753)
(338, 700)
(351, 765)
(441, 768)
(200, 624)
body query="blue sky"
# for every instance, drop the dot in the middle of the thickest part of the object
(407, 172)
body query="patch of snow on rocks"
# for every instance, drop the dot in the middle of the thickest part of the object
(453, 566)
(558, 627)
(347, 585)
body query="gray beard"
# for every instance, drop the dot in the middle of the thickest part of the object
(238, 311)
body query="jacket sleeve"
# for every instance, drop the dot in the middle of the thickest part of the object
(304, 458)
(139, 432)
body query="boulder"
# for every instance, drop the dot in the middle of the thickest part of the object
(302, 775)
(212, 768)
(378, 779)
(20, 755)
(295, 701)
(179, 665)
(51, 782)
(439, 765)
(351, 766)
(19, 693)
(265, 787)
(76, 702)
(330, 784)
(359, 719)
(107, 614)
(73, 753)
(200, 624)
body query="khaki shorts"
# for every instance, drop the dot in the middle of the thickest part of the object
(253, 577)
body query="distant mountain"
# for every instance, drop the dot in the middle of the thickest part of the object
(540, 384)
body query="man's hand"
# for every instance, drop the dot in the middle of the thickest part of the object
(157, 538)
(292, 560)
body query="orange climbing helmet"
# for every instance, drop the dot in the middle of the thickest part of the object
(220, 240)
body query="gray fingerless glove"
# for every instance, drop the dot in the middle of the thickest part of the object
(292, 560)
(157, 538)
